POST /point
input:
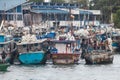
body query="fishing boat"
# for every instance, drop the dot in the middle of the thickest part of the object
(64, 52)
(31, 52)
(116, 42)
(96, 54)
(99, 57)
(5, 52)
(3, 67)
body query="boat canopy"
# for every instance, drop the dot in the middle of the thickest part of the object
(63, 41)
(54, 11)
(35, 42)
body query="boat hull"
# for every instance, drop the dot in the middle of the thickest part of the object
(65, 58)
(3, 67)
(32, 57)
(99, 58)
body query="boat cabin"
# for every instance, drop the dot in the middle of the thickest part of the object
(30, 46)
(63, 47)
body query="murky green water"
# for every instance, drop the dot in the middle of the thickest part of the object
(59, 72)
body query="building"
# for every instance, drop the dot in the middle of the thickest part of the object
(11, 11)
(53, 13)
(23, 13)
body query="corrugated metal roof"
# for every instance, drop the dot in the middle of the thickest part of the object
(9, 4)
(50, 11)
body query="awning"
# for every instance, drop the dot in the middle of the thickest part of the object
(85, 12)
(56, 11)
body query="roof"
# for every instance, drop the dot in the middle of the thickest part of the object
(85, 12)
(63, 41)
(50, 11)
(53, 5)
(9, 4)
(95, 12)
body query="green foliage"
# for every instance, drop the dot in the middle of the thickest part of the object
(107, 7)
(117, 19)
(115, 8)
(106, 13)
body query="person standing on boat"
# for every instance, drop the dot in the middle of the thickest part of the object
(84, 47)
(3, 55)
(109, 45)
(11, 51)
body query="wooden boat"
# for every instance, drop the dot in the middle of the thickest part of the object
(3, 66)
(97, 57)
(5, 52)
(63, 52)
(116, 42)
(31, 52)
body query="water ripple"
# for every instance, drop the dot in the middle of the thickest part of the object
(64, 72)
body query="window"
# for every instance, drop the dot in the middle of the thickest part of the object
(10, 17)
(76, 17)
(19, 17)
(81, 17)
(19, 9)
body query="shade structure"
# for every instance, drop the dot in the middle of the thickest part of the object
(85, 12)
(55, 11)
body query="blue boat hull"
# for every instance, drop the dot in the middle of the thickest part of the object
(32, 58)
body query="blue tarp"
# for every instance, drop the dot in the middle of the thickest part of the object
(50, 11)
(9, 4)
(48, 35)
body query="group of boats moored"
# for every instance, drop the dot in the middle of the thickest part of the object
(64, 45)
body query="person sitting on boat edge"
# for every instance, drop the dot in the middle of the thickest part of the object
(84, 48)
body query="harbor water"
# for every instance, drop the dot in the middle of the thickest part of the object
(64, 72)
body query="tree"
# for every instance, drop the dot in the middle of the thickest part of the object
(107, 7)
(117, 19)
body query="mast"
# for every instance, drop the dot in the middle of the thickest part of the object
(3, 17)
